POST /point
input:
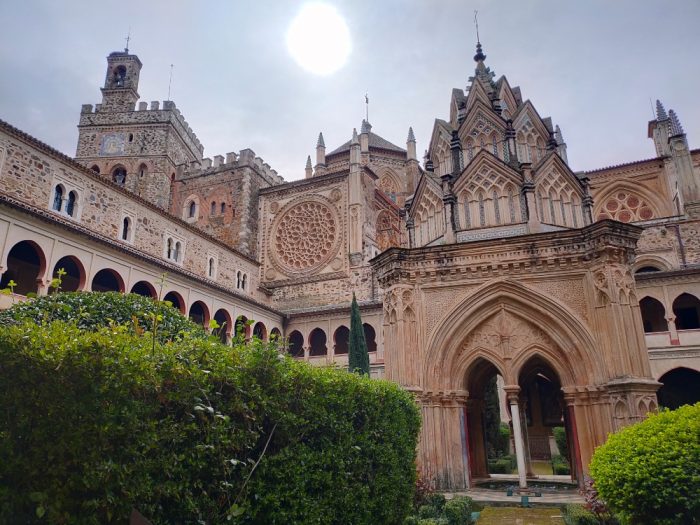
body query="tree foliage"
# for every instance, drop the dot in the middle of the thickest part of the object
(650, 472)
(95, 310)
(95, 423)
(358, 356)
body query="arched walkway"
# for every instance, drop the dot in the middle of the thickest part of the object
(681, 386)
(370, 337)
(176, 300)
(686, 308)
(107, 280)
(260, 331)
(341, 338)
(653, 315)
(296, 344)
(74, 279)
(317, 342)
(26, 265)
(241, 328)
(145, 289)
(223, 320)
(275, 334)
(199, 314)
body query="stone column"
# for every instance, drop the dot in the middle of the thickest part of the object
(572, 435)
(512, 393)
(528, 190)
(673, 330)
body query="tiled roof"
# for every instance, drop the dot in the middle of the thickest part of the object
(375, 141)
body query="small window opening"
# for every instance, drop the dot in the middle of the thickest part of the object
(178, 249)
(223, 207)
(192, 210)
(211, 267)
(131, 137)
(169, 250)
(58, 198)
(213, 208)
(95, 168)
(125, 229)
(119, 176)
(70, 205)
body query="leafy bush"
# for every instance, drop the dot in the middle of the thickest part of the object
(504, 465)
(650, 472)
(562, 443)
(94, 310)
(575, 514)
(458, 510)
(428, 511)
(95, 423)
(433, 521)
(560, 466)
(436, 500)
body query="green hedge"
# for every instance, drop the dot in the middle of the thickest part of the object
(561, 441)
(94, 310)
(560, 466)
(438, 510)
(578, 515)
(650, 472)
(504, 465)
(95, 423)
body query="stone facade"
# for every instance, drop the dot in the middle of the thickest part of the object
(579, 292)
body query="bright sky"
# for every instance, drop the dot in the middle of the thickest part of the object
(592, 66)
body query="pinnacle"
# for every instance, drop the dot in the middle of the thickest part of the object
(558, 136)
(676, 128)
(411, 136)
(660, 111)
(355, 139)
(366, 126)
(308, 161)
(479, 57)
(320, 142)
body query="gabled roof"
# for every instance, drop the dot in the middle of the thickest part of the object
(375, 141)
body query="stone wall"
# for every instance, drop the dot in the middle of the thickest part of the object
(29, 172)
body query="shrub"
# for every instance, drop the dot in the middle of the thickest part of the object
(95, 423)
(575, 514)
(428, 511)
(458, 510)
(94, 310)
(650, 472)
(411, 520)
(436, 500)
(504, 465)
(560, 465)
(560, 439)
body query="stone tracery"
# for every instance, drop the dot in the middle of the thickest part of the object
(625, 206)
(306, 236)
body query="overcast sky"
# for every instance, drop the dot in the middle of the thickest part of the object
(592, 66)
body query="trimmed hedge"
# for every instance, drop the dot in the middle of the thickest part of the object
(650, 472)
(438, 510)
(95, 423)
(575, 514)
(560, 466)
(94, 310)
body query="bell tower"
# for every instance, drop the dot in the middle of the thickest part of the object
(121, 82)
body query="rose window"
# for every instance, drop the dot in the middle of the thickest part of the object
(626, 207)
(306, 236)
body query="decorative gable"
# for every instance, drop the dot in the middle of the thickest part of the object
(559, 194)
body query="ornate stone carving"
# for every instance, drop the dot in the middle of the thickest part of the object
(625, 206)
(305, 236)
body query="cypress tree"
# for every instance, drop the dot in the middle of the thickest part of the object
(358, 358)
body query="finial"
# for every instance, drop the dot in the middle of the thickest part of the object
(170, 82)
(128, 37)
(320, 142)
(676, 128)
(411, 136)
(366, 106)
(479, 57)
(660, 111)
(308, 162)
(355, 140)
(366, 126)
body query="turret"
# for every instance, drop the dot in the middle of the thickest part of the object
(121, 82)
(411, 145)
(354, 150)
(309, 170)
(320, 152)
(364, 136)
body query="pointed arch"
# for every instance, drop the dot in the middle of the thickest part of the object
(627, 202)
(572, 344)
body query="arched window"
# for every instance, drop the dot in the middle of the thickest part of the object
(119, 76)
(241, 327)
(70, 205)
(145, 289)
(686, 308)
(647, 269)
(25, 266)
(177, 253)
(210, 269)
(496, 208)
(238, 280)
(95, 168)
(107, 280)
(126, 226)
(169, 248)
(213, 208)
(192, 210)
(341, 338)
(176, 300)
(223, 207)
(260, 331)
(74, 278)
(653, 315)
(370, 337)
(482, 213)
(142, 170)
(317, 342)
(244, 281)
(296, 344)
(223, 320)
(119, 175)
(275, 334)
(57, 198)
(199, 313)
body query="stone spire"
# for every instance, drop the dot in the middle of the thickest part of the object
(558, 136)
(479, 57)
(411, 146)
(660, 111)
(320, 142)
(411, 136)
(308, 169)
(320, 152)
(354, 148)
(676, 128)
(482, 73)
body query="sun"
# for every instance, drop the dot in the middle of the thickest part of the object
(319, 40)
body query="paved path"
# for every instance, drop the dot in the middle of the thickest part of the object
(519, 516)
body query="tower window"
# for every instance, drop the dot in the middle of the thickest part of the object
(131, 137)
(126, 226)
(70, 205)
(213, 208)
(119, 175)
(211, 267)
(169, 248)
(57, 198)
(223, 207)
(119, 76)
(178, 251)
(192, 210)
(95, 168)
(142, 170)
